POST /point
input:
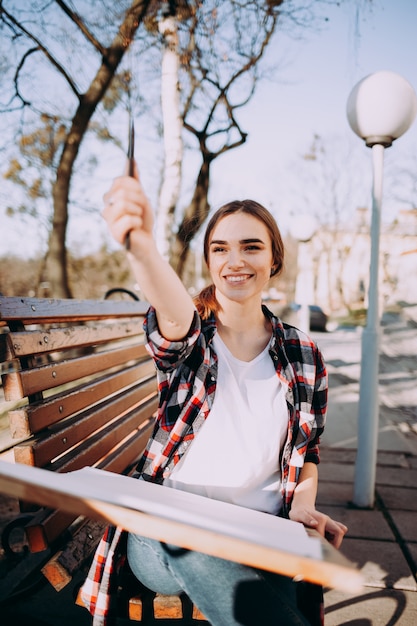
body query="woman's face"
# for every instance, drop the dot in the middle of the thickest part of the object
(240, 256)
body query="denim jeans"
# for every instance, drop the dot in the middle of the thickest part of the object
(227, 593)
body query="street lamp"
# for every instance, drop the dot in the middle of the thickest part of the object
(380, 108)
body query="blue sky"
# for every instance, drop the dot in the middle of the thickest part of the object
(309, 96)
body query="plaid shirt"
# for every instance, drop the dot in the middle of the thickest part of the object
(187, 374)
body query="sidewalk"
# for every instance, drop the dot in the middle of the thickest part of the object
(382, 541)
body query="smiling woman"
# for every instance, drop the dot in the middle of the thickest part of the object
(242, 404)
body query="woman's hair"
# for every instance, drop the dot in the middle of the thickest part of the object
(205, 301)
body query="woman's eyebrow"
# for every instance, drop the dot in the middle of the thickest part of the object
(217, 242)
(241, 241)
(251, 240)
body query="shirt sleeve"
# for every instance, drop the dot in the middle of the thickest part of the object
(318, 407)
(169, 354)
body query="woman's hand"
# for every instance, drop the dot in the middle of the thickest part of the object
(127, 210)
(327, 527)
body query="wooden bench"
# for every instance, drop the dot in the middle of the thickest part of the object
(84, 393)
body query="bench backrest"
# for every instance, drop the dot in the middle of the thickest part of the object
(84, 386)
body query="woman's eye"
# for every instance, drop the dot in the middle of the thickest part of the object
(252, 247)
(217, 249)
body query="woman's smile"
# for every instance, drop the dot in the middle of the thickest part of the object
(237, 278)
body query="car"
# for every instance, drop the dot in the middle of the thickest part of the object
(318, 318)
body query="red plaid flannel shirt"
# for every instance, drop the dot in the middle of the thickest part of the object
(187, 373)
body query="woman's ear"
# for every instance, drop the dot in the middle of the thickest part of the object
(273, 270)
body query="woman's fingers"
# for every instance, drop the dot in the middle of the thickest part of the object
(334, 532)
(126, 208)
(327, 527)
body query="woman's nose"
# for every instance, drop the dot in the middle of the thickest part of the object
(235, 259)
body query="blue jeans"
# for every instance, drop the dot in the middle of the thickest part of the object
(227, 593)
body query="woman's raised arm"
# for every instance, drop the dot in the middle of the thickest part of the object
(127, 210)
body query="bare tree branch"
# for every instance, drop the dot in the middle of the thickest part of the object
(42, 48)
(74, 17)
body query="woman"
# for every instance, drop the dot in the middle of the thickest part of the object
(242, 405)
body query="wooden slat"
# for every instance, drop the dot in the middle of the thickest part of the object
(23, 425)
(38, 416)
(63, 565)
(135, 608)
(55, 374)
(46, 310)
(92, 449)
(99, 445)
(45, 527)
(56, 574)
(90, 419)
(167, 607)
(128, 452)
(56, 339)
(4, 347)
(44, 449)
(164, 607)
(197, 614)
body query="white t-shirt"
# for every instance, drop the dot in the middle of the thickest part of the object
(235, 456)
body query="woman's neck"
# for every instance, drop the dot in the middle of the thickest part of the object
(245, 330)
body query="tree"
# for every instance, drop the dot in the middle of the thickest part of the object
(222, 47)
(86, 102)
(172, 126)
(218, 47)
(220, 79)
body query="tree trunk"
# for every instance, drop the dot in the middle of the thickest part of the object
(195, 215)
(172, 125)
(55, 262)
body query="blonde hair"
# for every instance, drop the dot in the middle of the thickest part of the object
(206, 302)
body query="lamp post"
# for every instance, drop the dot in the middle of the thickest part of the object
(380, 108)
(303, 228)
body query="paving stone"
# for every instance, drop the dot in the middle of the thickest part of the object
(336, 494)
(329, 455)
(341, 426)
(336, 472)
(397, 476)
(395, 459)
(363, 524)
(406, 523)
(412, 548)
(372, 607)
(398, 497)
(382, 563)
